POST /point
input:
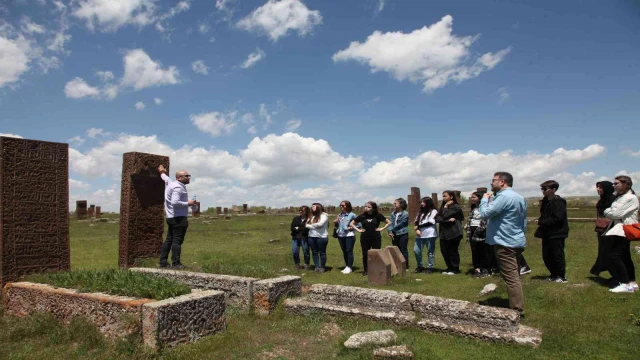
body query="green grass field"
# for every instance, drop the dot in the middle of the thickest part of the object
(580, 320)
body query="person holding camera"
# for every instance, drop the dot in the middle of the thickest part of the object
(481, 253)
(399, 228)
(426, 234)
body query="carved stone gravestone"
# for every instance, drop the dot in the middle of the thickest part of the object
(218, 210)
(434, 197)
(197, 212)
(81, 209)
(92, 210)
(457, 194)
(413, 203)
(141, 207)
(481, 189)
(226, 211)
(98, 212)
(379, 267)
(399, 262)
(245, 208)
(34, 207)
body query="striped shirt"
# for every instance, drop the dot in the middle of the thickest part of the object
(175, 198)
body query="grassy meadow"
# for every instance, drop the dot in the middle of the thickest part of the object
(580, 320)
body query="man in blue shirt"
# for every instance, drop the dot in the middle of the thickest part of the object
(506, 216)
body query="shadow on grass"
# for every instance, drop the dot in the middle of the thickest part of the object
(601, 281)
(495, 302)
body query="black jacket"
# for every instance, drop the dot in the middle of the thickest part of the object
(553, 222)
(301, 232)
(451, 230)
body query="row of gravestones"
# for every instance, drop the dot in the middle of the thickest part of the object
(83, 212)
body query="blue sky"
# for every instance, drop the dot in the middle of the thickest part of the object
(289, 102)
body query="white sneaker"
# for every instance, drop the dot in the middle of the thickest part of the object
(347, 270)
(622, 288)
(634, 285)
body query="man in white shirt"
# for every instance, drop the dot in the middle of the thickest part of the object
(176, 207)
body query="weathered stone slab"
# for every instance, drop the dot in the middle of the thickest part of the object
(399, 262)
(91, 211)
(34, 207)
(393, 352)
(141, 207)
(113, 315)
(81, 209)
(379, 267)
(197, 213)
(464, 312)
(183, 319)
(98, 212)
(267, 293)
(381, 337)
(245, 208)
(238, 290)
(387, 300)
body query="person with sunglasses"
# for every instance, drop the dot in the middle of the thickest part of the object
(346, 235)
(300, 237)
(553, 229)
(176, 207)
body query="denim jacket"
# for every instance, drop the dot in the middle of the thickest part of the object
(345, 220)
(401, 226)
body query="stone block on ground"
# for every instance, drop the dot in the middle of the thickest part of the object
(399, 262)
(267, 293)
(384, 300)
(489, 288)
(393, 352)
(183, 319)
(379, 267)
(381, 337)
(238, 289)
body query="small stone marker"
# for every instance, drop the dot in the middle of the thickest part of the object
(98, 212)
(434, 197)
(381, 337)
(245, 208)
(197, 212)
(92, 210)
(488, 289)
(400, 263)
(81, 209)
(379, 267)
(226, 211)
(393, 352)
(219, 210)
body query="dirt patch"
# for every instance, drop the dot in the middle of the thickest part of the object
(579, 285)
(276, 353)
(331, 330)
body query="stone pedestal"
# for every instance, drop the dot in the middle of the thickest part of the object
(379, 265)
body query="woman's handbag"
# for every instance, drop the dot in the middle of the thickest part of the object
(601, 224)
(632, 232)
(335, 232)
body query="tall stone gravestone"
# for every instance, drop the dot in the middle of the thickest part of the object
(92, 210)
(197, 212)
(98, 212)
(458, 195)
(141, 207)
(81, 209)
(34, 207)
(219, 210)
(481, 189)
(413, 202)
(434, 197)
(245, 208)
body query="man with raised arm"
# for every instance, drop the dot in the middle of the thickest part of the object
(176, 207)
(506, 216)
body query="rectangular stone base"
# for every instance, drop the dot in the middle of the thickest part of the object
(267, 293)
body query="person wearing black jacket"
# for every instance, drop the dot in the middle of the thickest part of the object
(450, 232)
(606, 191)
(299, 237)
(553, 229)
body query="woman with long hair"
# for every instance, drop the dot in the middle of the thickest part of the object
(606, 191)
(450, 232)
(370, 238)
(299, 237)
(426, 234)
(623, 211)
(399, 228)
(476, 233)
(318, 236)
(346, 235)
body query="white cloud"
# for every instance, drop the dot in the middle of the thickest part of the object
(158, 101)
(264, 113)
(76, 184)
(369, 103)
(252, 129)
(76, 140)
(277, 18)
(212, 39)
(110, 15)
(110, 91)
(139, 105)
(247, 118)
(430, 55)
(95, 132)
(253, 58)
(380, 6)
(14, 59)
(140, 71)
(293, 124)
(11, 135)
(434, 170)
(181, 6)
(199, 67)
(29, 27)
(214, 123)
(225, 7)
(78, 88)
(105, 76)
(503, 95)
(56, 44)
(203, 28)
(631, 153)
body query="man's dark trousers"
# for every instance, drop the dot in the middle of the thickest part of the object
(175, 237)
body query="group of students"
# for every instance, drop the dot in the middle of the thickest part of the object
(310, 232)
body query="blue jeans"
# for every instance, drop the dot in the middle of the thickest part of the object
(430, 243)
(319, 250)
(346, 244)
(296, 244)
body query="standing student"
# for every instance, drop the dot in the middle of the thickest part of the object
(450, 232)
(346, 235)
(605, 190)
(553, 229)
(399, 228)
(506, 217)
(623, 211)
(176, 207)
(370, 237)
(426, 234)
(300, 237)
(318, 236)
(481, 253)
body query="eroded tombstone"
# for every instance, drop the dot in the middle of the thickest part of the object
(141, 207)
(457, 194)
(81, 209)
(226, 211)
(218, 210)
(434, 197)
(98, 212)
(91, 211)
(197, 212)
(245, 208)
(379, 267)
(398, 260)
(34, 198)
(481, 189)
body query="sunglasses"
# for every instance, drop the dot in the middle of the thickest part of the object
(544, 188)
(616, 183)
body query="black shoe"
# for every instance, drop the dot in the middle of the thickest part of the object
(177, 266)
(525, 270)
(163, 266)
(364, 273)
(418, 270)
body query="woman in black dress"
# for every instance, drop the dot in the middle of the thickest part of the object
(605, 190)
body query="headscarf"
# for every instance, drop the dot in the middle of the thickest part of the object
(607, 197)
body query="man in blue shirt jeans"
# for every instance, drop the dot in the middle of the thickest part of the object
(506, 216)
